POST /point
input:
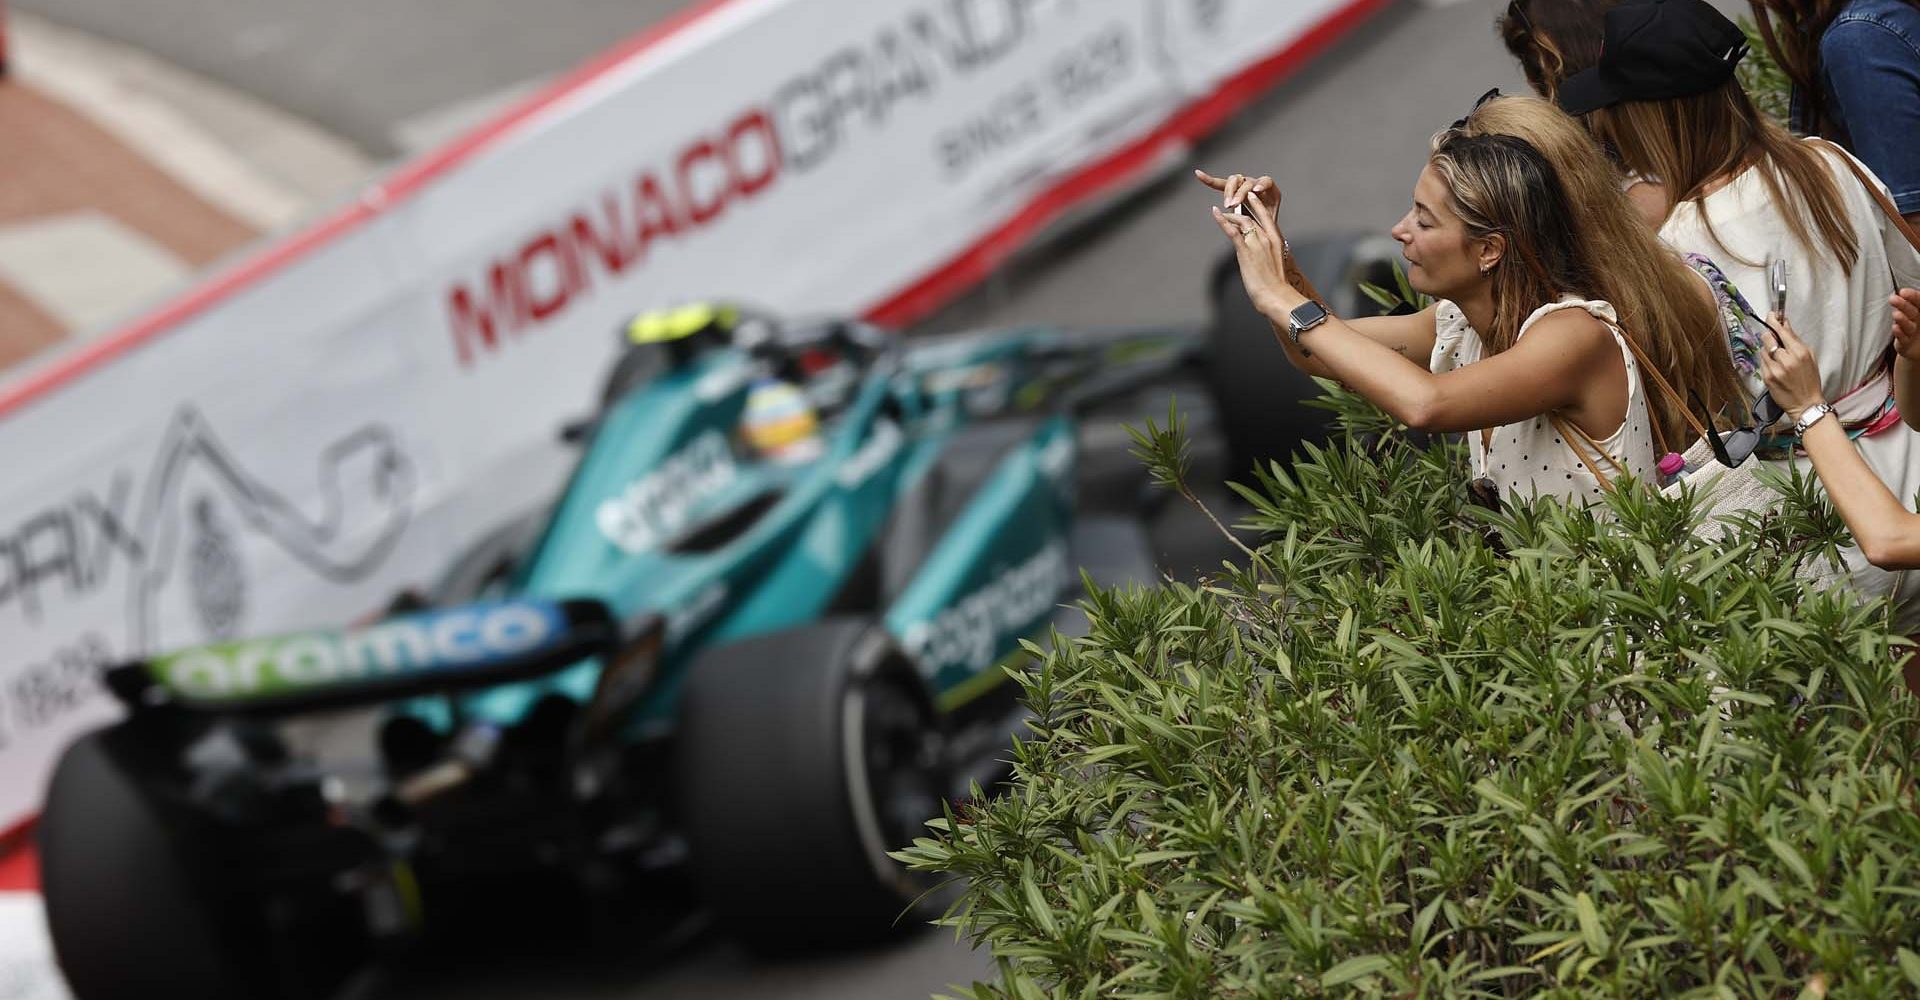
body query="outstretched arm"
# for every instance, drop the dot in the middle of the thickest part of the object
(1888, 534)
(1545, 372)
(1906, 367)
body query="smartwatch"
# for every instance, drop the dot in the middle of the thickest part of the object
(1305, 317)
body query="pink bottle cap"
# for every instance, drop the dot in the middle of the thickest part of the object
(1671, 463)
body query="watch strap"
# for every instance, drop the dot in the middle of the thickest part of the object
(1304, 317)
(1810, 416)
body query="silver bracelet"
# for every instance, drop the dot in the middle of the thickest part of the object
(1810, 416)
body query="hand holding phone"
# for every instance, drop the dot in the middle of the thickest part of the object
(1776, 294)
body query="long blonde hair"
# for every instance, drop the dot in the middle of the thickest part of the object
(1659, 299)
(1501, 186)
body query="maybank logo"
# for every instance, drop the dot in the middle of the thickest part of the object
(468, 636)
(972, 632)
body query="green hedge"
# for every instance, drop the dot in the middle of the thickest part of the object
(1378, 758)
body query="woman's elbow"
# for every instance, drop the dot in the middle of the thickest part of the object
(1426, 410)
(1889, 547)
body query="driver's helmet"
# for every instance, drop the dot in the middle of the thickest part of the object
(780, 422)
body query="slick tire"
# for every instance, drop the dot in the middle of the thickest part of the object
(804, 757)
(1261, 396)
(132, 907)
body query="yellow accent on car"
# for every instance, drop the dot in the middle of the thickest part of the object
(662, 325)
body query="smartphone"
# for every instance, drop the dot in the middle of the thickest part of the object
(1241, 208)
(1777, 286)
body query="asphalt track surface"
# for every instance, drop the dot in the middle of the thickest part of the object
(1345, 138)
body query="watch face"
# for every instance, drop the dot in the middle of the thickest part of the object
(1308, 316)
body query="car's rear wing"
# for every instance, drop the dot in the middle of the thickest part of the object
(428, 652)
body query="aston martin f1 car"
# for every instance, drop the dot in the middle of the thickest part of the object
(757, 640)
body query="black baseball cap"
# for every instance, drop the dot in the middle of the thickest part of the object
(1653, 50)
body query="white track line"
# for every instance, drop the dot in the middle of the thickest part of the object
(86, 269)
(27, 970)
(259, 164)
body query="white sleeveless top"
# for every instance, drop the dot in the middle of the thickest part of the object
(1530, 458)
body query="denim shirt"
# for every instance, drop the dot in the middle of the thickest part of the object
(1870, 75)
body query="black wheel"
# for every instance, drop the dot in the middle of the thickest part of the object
(134, 908)
(1261, 396)
(804, 757)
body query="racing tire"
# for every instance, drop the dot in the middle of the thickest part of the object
(1260, 395)
(804, 757)
(129, 901)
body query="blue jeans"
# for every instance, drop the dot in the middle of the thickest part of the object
(1870, 76)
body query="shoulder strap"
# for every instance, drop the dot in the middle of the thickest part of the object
(1873, 191)
(1570, 433)
(1673, 396)
(1660, 382)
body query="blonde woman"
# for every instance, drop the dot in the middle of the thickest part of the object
(1520, 350)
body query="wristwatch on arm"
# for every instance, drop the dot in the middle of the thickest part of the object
(1810, 416)
(1304, 317)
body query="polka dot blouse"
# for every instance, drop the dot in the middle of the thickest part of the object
(1530, 458)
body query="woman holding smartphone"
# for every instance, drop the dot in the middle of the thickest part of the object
(1886, 531)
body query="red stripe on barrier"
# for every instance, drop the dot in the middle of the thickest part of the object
(195, 301)
(917, 300)
(19, 861)
(973, 265)
(414, 176)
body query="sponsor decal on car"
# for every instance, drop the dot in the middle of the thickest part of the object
(969, 633)
(469, 636)
(662, 502)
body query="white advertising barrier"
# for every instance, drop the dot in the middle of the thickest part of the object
(293, 444)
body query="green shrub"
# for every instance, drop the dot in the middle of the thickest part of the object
(1380, 759)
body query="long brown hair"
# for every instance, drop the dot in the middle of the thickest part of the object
(1689, 142)
(1502, 186)
(1686, 142)
(1658, 298)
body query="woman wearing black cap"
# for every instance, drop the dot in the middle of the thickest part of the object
(1660, 93)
